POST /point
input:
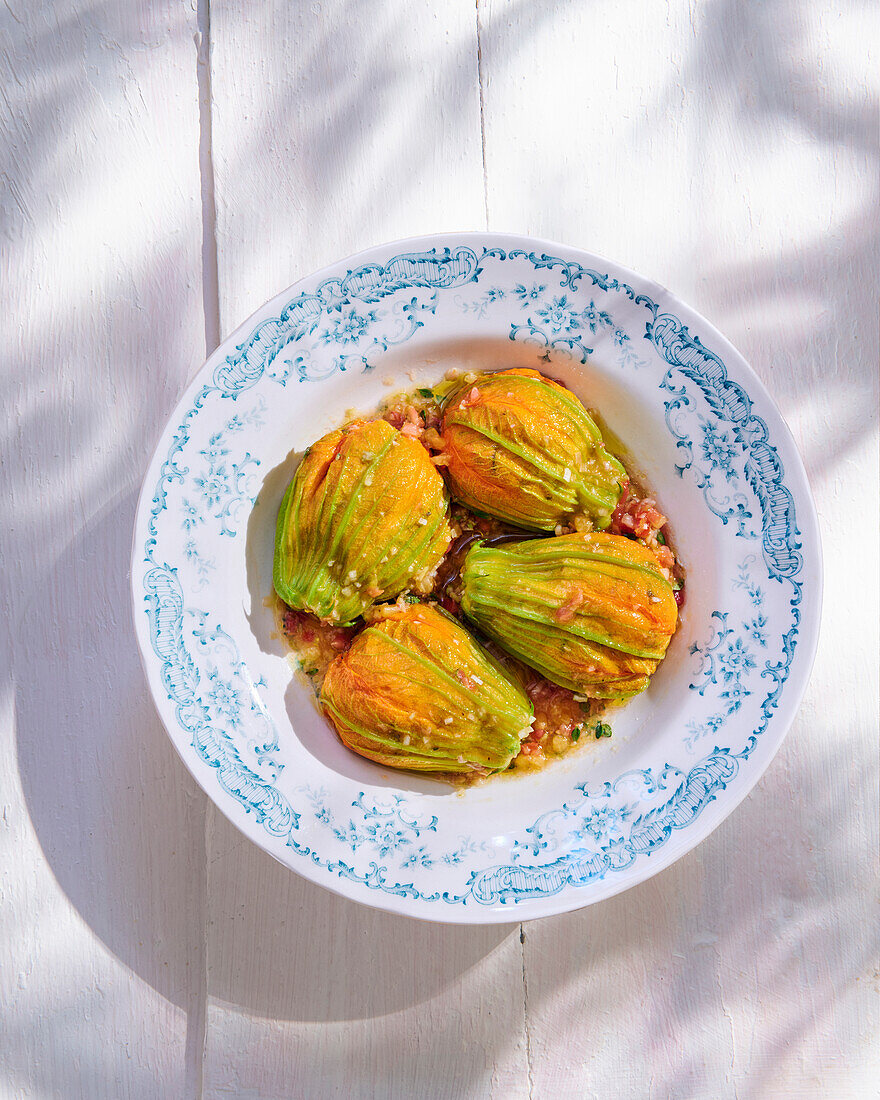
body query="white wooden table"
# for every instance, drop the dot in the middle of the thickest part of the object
(167, 166)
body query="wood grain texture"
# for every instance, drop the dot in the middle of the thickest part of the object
(154, 192)
(338, 125)
(101, 831)
(315, 996)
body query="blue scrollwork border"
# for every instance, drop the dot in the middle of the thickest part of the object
(435, 271)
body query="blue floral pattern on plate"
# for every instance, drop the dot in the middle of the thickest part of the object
(205, 484)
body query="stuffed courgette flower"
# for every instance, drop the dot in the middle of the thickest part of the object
(524, 449)
(364, 518)
(416, 691)
(592, 612)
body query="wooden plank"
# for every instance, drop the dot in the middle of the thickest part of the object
(312, 995)
(101, 831)
(337, 126)
(730, 152)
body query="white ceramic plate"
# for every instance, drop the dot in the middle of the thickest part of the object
(700, 429)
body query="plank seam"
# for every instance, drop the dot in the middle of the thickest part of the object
(482, 113)
(210, 269)
(525, 982)
(197, 1009)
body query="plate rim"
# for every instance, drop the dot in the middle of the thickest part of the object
(808, 525)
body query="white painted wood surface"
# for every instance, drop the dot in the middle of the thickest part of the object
(152, 196)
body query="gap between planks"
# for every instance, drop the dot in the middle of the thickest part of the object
(525, 983)
(197, 1009)
(482, 119)
(480, 84)
(210, 269)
